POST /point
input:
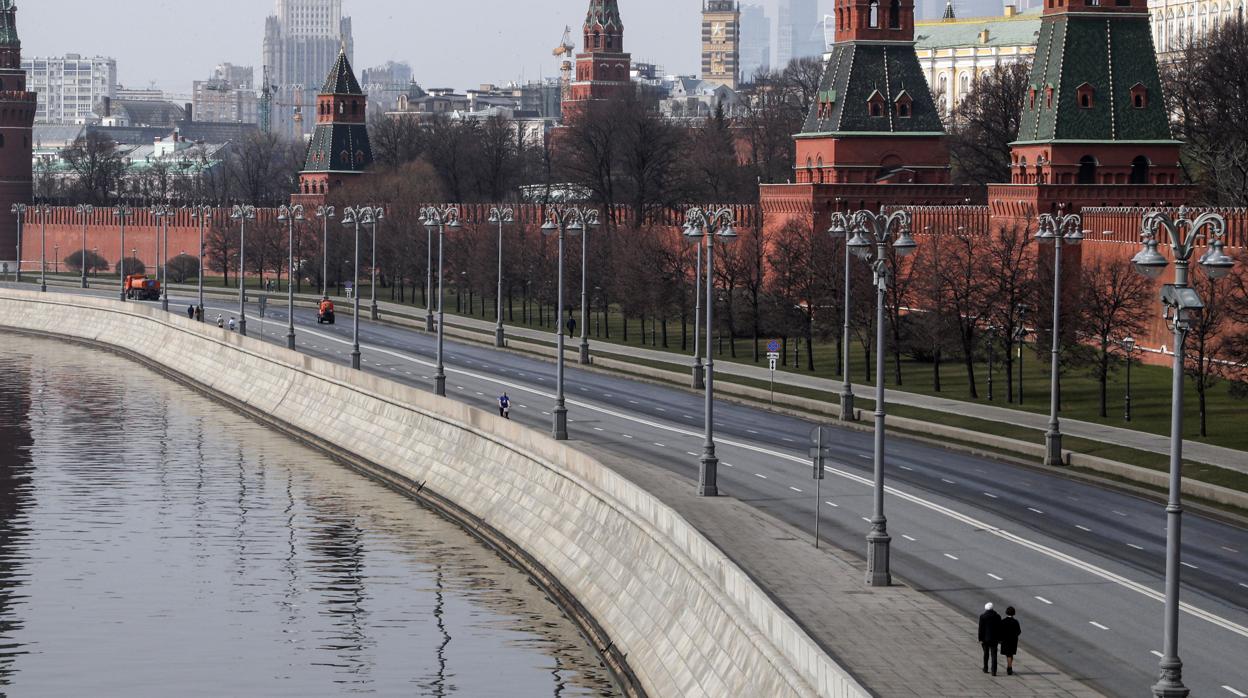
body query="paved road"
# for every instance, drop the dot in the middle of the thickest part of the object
(1081, 563)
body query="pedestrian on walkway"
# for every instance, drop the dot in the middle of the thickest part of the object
(571, 327)
(232, 329)
(190, 312)
(504, 406)
(990, 636)
(1010, 631)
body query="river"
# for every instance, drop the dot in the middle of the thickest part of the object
(155, 543)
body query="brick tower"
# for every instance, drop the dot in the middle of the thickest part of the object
(339, 150)
(874, 120)
(602, 69)
(1094, 129)
(17, 118)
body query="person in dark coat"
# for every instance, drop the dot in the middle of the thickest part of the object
(1010, 631)
(990, 636)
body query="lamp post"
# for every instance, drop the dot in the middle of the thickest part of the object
(288, 215)
(325, 213)
(378, 215)
(706, 225)
(44, 211)
(872, 233)
(121, 213)
(203, 214)
(1060, 230)
(242, 213)
(161, 213)
(500, 216)
(561, 221)
(84, 210)
(429, 228)
(439, 218)
(20, 211)
(841, 225)
(584, 353)
(699, 374)
(1128, 345)
(1181, 304)
(56, 259)
(357, 216)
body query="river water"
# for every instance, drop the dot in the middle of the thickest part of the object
(155, 543)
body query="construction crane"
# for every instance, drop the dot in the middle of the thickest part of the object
(565, 49)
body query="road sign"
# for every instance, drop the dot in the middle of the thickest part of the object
(773, 346)
(772, 359)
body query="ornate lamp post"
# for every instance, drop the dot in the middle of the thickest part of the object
(288, 215)
(440, 219)
(378, 215)
(203, 214)
(44, 211)
(20, 211)
(325, 213)
(841, 225)
(699, 374)
(561, 221)
(161, 213)
(84, 210)
(1128, 345)
(872, 233)
(706, 225)
(500, 216)
(429, 273)
(1181, 304)
(121, 213)
(1060, 230)
(357, 216)
(242, 213)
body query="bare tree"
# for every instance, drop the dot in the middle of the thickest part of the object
(97, 168)
(1114, 303)
(986, 122)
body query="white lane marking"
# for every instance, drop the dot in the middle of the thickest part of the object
(867, 456)
(1097, 625)
(546, 413)
(730, 465)
(627, 436)
(690, 453)
(794, 488)
(656, 443)
(1243, 585)
(866, 519)
(951, 557)
(1234, 692)
(760, 475)
(1083, 528)
(948, 481)
(1229, 550)
(909, 538)
(751, 431)
(1039, 548)
(1035, 510)
(598, 429)
(785, 438)
(999, 579)
(834, 506)
(660, 409)
(1043, 600)
(1117, 512)
(989, 494)
(632, 402)
(906, 467)
(1133, 545)
(1188, 564)
(1157, 654)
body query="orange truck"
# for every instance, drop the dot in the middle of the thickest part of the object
(325, 312)
(139, 287)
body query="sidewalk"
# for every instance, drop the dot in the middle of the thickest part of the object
(896, 641)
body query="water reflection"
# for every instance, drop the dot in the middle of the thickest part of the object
(152, 542)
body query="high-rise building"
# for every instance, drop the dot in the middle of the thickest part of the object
(70, 87)
(384, 84)
(721, 42)
(241, 77)
(602, 68)
(301, 43)
(799, 33)
(755, 40)
(17, 118)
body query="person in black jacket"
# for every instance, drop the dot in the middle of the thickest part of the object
(990, 636)
(1010, 631)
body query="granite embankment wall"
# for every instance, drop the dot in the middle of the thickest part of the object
(671, 614)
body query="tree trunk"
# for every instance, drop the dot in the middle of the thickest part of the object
(1103, 379)
(936, 370)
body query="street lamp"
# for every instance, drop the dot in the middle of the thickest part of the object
(378, 215)
(56, 259)
(325, 213)
(500, 216)
(84, 210)
(872, 232)
(203, 214)
(1060, 230)
(561, 221)
(1181, 304)
(161, 213)
(242, 213)
(20, 211)
(584, 353)
(288, 215)
(121, 212)
(441, 219)
(429, 228)
(708, 224)
(1128, 345)
(841, 225)
(357, 216)
(699, 374)
(44, 211)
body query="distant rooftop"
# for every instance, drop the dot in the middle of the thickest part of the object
(1017, 30)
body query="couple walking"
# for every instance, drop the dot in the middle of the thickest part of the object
(996, 631)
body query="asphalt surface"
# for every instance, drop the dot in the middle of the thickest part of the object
(1083, 564)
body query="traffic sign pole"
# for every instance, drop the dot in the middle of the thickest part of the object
(819, 437)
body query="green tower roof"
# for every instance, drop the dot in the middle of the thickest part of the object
(341, 80)
(605, 13)
(8, 24)
(853, 75)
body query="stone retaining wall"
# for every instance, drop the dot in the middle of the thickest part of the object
(670, 613)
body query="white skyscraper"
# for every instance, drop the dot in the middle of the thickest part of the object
(70, 87)
(301, 43)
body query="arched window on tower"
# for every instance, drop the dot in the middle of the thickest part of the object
(873, 14)
(597, 39)
(894, 14)
(1087, 170)
(1139, 170)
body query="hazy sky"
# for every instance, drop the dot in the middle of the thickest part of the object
(453, 43)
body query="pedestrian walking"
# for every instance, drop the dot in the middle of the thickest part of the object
(571, 327)
(1010, 630)
(232, 329)
(504, 406)
(190, 312)
(990, 636)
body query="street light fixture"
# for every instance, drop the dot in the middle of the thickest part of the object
(20, 211)
(325, 213)
(162, 213)
(500, 216)
(1181, 304)
(379, 214)
(841, 226)
(357, 216)
(1128, 345)
(870, 243)
(202, 213)
(288, 215)
(1061, 230)
(699, 374)
(44, 211)
(561, 221)
(242, 213)
(584, 353)
(707, 224)
(441, 219)
(84, 210)
(121, 212)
